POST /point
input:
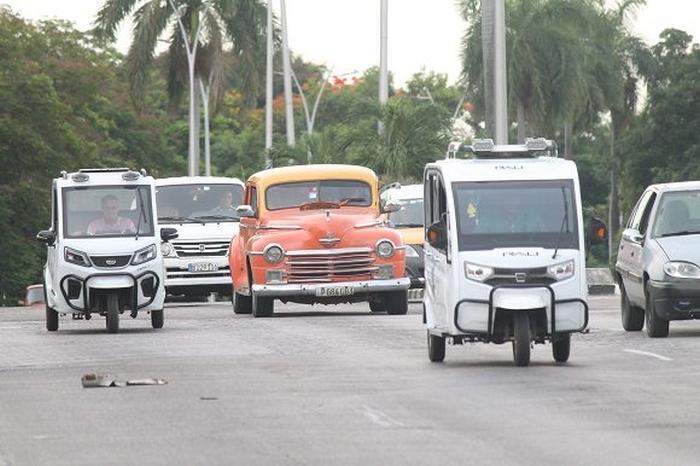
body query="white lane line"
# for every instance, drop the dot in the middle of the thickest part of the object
(646, 353)
(380, 418)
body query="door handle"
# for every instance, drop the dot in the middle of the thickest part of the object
(632, 254)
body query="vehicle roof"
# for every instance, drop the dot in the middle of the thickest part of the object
(410, 191)
(180, 180)
(102, 178)
(313, 172)
(492, 169)
(676, 186)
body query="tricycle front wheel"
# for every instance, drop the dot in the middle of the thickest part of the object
(521, 338)
(112, 313)
(561, 347)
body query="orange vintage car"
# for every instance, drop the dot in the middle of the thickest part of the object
(313, 234)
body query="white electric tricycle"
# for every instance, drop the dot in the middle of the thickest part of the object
(504, 251)
(103, 256)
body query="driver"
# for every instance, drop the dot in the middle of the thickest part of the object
(110, 222)
(225, 202)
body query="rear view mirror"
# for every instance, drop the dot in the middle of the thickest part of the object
(633, 236)
(598, 231)
(245, 211)
(437, 235)
(47, 237)
(166, 234)
(391, 207)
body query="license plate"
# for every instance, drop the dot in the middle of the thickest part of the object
(202, 267)
(333, 291)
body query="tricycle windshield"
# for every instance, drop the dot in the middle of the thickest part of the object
(411, 214)
(516, 214)
(202, 203)
(107, 211)
(325, 192)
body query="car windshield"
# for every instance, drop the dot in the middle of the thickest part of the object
(678, 214)
(198, 203)
(411, 214)
(516, 214)
(107, 211)
(324, 193)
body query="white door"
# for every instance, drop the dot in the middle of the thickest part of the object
(436, 258)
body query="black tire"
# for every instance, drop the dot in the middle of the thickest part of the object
(436, 348)
(521, 339)
(377, 306)
(157, 318)
(561, 347)
(632, 316)
(656, 326)
(241, 304)
(112, 313)
(263, 306)
(396, 302)
(51, 319)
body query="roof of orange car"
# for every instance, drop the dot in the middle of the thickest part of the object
(313, 172)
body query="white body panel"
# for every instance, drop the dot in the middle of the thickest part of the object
(447, 287)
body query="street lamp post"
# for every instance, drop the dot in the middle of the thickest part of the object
(287, 68)
(268, 87)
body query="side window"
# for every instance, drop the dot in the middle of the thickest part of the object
(253, 198)
(644, 222)
(636, 218)
(428, 199)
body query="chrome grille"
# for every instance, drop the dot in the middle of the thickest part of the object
(200, 248)
(536, 276)
(178, 272)
(326, 265)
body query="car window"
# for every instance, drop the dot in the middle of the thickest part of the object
(636, 217)
(343, 192)
(254, 199)
(678, 213)
(644, 221)
(198, 202)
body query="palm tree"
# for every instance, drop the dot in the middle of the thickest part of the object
(197, 31)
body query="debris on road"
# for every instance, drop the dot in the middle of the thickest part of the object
(106, 380)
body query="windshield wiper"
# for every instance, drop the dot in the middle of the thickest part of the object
(349, 200)
(681, 233)
(142, 214)
(408, 225)
(176, 218)
(564, 221)
(216, 217)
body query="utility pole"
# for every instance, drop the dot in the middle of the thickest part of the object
(493, 33)
(383, 57)
(268, 87)
(287, 70)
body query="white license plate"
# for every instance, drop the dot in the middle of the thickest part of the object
(202, 267)
(333, 291)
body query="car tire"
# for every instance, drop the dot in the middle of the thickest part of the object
(51, 319)
(656, 326)
(377, 306)
(396, 302)
(561, 347)
(157, 318)
(521, 339)
(112, 313)
(241, 304)
(263, 306)
(632, 316)
(436, 348)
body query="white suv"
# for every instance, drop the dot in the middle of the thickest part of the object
(203, 209)
(103, 251)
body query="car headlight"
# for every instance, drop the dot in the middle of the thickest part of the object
(76, 257)
(411, 251)
(682, 270)
(144, 255)
(478, 273)
(167, 249)
(562, 271)
(385, 248)
(273, 254)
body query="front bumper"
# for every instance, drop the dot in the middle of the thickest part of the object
(139, 299)
(676, 300)
(310, 289)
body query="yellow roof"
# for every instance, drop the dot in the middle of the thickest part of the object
(313, 172)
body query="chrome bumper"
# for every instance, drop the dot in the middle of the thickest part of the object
(309, 289)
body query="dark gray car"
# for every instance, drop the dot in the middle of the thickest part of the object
(657, 262)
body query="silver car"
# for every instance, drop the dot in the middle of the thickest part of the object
(659, 257)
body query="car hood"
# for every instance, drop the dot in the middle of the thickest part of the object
(681, 248)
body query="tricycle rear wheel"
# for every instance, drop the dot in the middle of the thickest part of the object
(436, 348)
(157, 318)
(521, 338)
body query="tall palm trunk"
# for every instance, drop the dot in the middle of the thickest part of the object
(522, 122)
(614, 212)
(568, 143)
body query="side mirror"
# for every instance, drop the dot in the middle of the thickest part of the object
(244, 211)
(391, 207)
(166, 234)
(47, 237)
(437, 235)
(632, 236)
(598, 231)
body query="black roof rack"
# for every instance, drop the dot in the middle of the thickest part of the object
(103, 170)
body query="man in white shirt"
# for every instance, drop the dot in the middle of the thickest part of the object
(110, 223)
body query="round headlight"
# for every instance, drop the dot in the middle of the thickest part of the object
(273, 254)
(166, 249)
(385, 248)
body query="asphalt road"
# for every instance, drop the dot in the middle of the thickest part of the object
(340, 386)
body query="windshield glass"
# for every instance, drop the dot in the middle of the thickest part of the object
(107, 211)
(516, 214)
(342, 192)
(198, 203)
(411, 214)
(679, 213)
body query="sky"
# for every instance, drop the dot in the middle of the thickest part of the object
(344, 34)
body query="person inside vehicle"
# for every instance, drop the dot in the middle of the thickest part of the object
(111, 222)
(509, 215)
(225, 202)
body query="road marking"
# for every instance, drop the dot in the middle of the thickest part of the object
(646, 353)
(380, 418)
